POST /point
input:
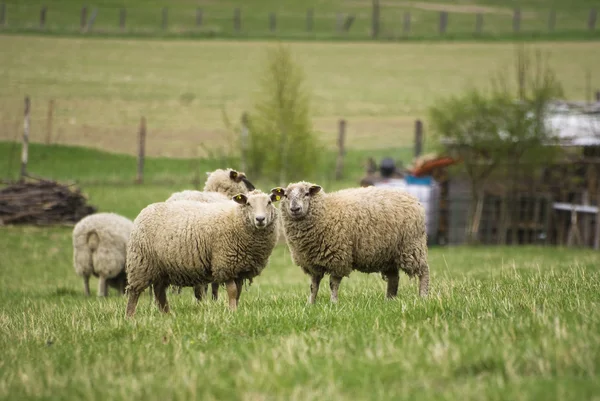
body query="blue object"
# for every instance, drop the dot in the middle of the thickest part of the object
(412, 180)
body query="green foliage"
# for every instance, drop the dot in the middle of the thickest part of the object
(494, 128)
(281, 142)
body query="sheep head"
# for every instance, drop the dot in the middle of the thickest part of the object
(296, 198)
(258, 208)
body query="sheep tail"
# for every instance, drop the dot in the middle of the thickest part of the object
(93, 240)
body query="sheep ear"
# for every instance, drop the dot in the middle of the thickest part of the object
(248, 184)
(233, 174)
(278, 192)
(314, 189)
(240, 198)
(275, 198)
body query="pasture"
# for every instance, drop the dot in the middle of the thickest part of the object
(500, 323)
(101, 88)
(181, 19)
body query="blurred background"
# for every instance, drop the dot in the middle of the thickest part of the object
(486, 110)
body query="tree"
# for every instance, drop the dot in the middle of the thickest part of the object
(281, 142)
(487, 128)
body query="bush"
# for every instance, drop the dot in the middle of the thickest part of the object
(282, 145)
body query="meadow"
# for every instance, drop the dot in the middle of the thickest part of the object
(101, 88)
(499, 324)
(145, 18)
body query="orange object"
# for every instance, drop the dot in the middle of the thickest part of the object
(430, 165)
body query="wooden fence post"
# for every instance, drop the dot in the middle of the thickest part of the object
(25, 147)
(443, 22)
(339, 22)
(272, 22)
(83, 21)
(2, 14)
(339, 165)
(165, 18)
(478, 24)
(244, 141)
(375, 20)
(141, 151)
(551, 20)
(49, 122)
(198, 17)
(237, 20)
(406, 24)
(517, 20)
(92, 19)
(418, 138)
(592, 19)
(122, 18)
(310, 14)
(43, 17)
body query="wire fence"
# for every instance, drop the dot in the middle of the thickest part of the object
(365, 22)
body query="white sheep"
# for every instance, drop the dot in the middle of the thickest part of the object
(187, 243)
(99, 249)
(220, 186)
(366, 229)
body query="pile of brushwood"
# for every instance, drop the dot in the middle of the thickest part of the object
(42, 202)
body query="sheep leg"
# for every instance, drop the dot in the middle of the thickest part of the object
(102, 287)
(334, 285)
(239, 283)
(215, 290)
(200, 291)
(314, 286)
(232, 291)
(160, 295)
(132, 302)
(392, 284)
(424, 282)
(86, 285)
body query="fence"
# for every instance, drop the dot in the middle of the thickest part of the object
(528, 216)
(364, 21)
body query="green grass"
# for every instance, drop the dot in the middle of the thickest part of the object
(145, 18)
(500, 323)
(101, 87)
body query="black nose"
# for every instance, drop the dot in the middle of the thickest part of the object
(260, 219)
(295, 209)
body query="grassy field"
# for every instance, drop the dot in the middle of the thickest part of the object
(101, 88)
(146, 17)
(500, 324)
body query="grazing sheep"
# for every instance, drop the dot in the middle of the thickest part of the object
(366, 229)
(99, 249)
(187, 243)
(220, 186)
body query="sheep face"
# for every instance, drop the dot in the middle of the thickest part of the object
(258, 208)
(296, 198)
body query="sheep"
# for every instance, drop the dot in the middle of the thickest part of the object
(187, 243)
(99, 249)
(220, 186)
(366, 229)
